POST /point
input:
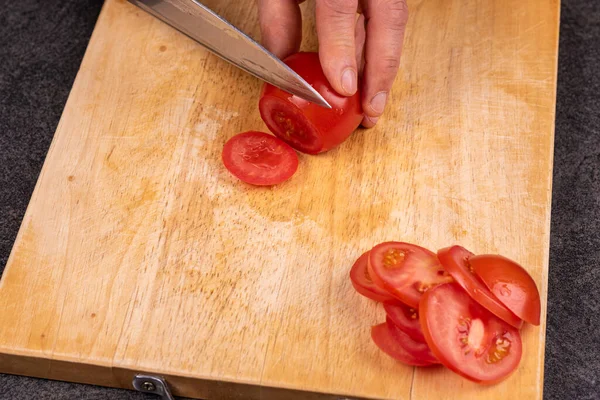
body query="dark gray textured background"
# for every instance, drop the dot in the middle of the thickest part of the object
(41, 46)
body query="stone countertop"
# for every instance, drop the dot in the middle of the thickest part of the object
(41, 46)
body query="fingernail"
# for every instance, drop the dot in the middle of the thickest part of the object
(378, 102)
(369, 122)
(349, 81)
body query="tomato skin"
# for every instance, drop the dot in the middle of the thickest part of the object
(400, 346)
(419, 350)
(467, 338)
(259, 159)
(405, 270)
(324, 128)
(456, 260)
(511, 284)
(362, 282)
(406, 319)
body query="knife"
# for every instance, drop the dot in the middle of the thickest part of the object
(220, 37)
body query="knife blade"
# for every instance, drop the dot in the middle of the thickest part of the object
(225, 40)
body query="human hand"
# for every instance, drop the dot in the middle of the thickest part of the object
(346, 43)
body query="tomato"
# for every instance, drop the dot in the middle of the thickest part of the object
(397, 344)
(456, 260)
(362, 282)
(259, 158)
(467, 338)
(511, 284)
(406, 319)
(306, 126)
(405, 270)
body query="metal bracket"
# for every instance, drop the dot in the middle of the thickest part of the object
(152, 385)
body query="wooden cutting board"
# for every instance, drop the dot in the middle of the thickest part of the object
(140, 253)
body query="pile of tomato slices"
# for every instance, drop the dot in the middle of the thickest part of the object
(261, 159)
(454, 308)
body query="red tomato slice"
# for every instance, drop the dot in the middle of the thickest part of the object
(259, 158)
(400, 346)
(405, 270)
(466, 337)
(362, 282)
(419, 350)
(406, 319)
(289, 123)
(306, 126)
(456, 260)
(511, 284)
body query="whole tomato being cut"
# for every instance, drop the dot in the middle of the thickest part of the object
(457, 261)
(306, 126)
(466, 337)
(511, 284)
(405, 270)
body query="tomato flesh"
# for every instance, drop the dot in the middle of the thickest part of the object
(406, 319)
(258, 158)
(511, 284)
(362, 282)
(456, 260)
(290, 125)
(467, 338)
(400, 346)
(306, 126)
(405, 270)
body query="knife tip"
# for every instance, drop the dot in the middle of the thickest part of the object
(322, 102)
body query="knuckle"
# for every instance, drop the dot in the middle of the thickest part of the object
(394, 13)
(340, 7)
(337, 51)
(335, 22)
(388, 65)
(399, 6)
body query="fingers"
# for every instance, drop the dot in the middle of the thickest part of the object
(359, 42)
(360, 35)
(335, 29)
(386, 22)
(280, 26)
(369, 122)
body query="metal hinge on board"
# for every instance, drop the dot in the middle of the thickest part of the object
(152, 385)
(156, 385)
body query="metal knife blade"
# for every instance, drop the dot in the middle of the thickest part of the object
(216, 34)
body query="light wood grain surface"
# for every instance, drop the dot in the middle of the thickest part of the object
(140, 253)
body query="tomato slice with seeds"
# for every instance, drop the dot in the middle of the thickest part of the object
(511, 284)
(406, 319)
(362, 282)
(290, 124)
(398, 345)
(466, 337)
(306, 126)
(405, 270)
(259, 158)
(456, 260)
